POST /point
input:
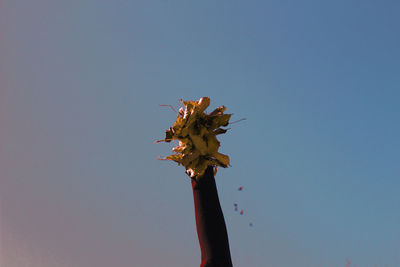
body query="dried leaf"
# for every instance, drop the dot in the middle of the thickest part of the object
(196, 132)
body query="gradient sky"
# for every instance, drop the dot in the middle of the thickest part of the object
(318, 156)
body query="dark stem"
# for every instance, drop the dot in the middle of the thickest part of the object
(210, 223)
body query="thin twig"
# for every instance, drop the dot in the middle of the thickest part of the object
(237, 121)
(170, 107)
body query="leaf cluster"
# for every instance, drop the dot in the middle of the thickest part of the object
(197, 133)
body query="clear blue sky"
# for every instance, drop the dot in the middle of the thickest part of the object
(318, 156)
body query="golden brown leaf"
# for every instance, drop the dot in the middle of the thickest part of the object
(196, 132)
